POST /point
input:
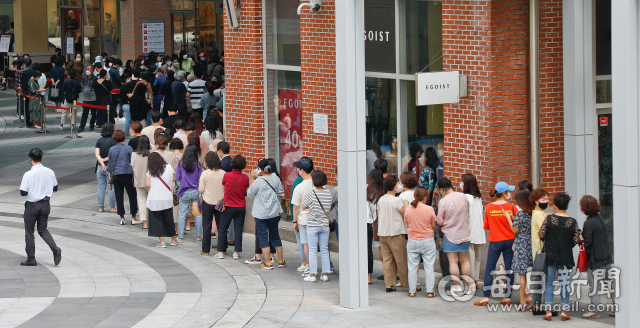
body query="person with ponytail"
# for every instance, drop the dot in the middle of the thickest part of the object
(421, 220)
(453, 219)
(266, 189)
(375, 190)
(498, 219)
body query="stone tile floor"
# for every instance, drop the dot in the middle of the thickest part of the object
(114, 276)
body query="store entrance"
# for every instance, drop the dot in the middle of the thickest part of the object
(605, 171)
(183, 29)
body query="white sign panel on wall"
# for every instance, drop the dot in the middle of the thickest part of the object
(320, 124)
(5, 41)
(434, 88)
(152, 36)
(70, 44)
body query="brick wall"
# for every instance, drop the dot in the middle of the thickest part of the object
(551, 96)
(487, 133)
(317, 38)
(132, 13)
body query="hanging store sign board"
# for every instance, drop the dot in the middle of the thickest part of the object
(434, 88)
(152, 36)
(289, 104)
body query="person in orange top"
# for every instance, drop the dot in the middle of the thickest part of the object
(498, 219)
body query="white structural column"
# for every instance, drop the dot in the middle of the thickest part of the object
(581, 176)
(350, 84)
(626, 144)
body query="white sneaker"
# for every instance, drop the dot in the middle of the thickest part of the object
(310, 278)
(456, 292)
(161, 245)
(236, 255)
(187, 228)
(399, 284)
(303, 268)
(219, 256)
(136, 222)
(324, 277)
(60, 129)
(173, 243)
(198, 238)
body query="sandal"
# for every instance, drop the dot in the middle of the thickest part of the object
(412, 294)
(392, 289)
(431, 295)
(101, 209)
(548, 316)
(418, 288)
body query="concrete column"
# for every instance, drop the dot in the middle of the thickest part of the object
(579, 103)
(30, 19)
(625, 40)
(350, 85)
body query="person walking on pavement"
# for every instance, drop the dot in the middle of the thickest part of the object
(38, 185)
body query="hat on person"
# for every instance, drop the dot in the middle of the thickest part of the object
(159, 70)
(304, 163)
(502, 187)
(201, 54)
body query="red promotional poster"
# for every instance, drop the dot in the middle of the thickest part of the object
(290, 106)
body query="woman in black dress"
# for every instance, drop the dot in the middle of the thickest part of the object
(139, 104)
(103, 89)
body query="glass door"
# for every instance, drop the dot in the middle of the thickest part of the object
(177, 27)
(184, 32)
(71, 28)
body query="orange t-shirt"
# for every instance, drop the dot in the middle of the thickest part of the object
(496, 222)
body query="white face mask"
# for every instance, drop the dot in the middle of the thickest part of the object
(157, 76)
(461, 186)
(88, 72)
(508, 196)
(399, 187)
(440, 152)
(185, 57)
(176, 64)
(128, 80)
(78, 59)
(423, 160)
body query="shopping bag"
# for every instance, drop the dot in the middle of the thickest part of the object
(582, 260)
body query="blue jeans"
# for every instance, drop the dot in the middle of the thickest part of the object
(103, 181)
(495, 249)
(186, 199)
(268, 232)
(318, 235)
(300, 246)
(127, 117)
(563, 279)
(149, 113)
(425, 249)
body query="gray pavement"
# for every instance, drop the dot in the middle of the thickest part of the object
(114, 276)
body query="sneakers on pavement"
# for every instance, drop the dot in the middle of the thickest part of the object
(324, 277)
(179, 241)
(161, 245)
(281, 264)
(57, 256)
(266, 266)
(198, 238)
(310, 278)
(173, 243)
(254, 260)
(306, 273)
(302, 268)
(236, 255)
(332, 270)
(219, 256)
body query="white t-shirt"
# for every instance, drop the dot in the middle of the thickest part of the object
(408, 196)
(160, 197)
(476, 220)
(298, 195)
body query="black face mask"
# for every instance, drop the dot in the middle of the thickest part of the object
(543, 206)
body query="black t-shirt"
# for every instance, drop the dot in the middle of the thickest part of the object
(168, 122)
(104, 144)
(134, 143)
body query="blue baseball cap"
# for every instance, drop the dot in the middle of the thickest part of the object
(304, 163)
(503, 186)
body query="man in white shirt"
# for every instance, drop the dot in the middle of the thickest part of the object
(150, 130)
(38, 184)
(305, 167)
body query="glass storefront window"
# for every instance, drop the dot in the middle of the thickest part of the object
(72, 3)
(381, 122)
(283, 32)
(422, 39)
(380, 36)
(183, 5)
(91, 30)
(110, 27)
(210, 23)
(53, 25)
(423, 125)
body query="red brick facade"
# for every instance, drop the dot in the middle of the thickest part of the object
(132, 13)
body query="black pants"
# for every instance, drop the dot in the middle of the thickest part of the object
(235, 214)
(209, 213)
(26, 111)
(272, 249)
(85, 115)
(120, 183)
(161, 223)
(370, 246)
(37, 212)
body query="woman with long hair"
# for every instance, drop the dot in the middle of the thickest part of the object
(194, 139)
(196, 119)
(120, 169)
(498, 219)
(139, 106)
(522, 259)
(211, 133)
(139, 160)
(210, 185)
(375, 190)
(428, 178)
(159, 181)
(266, 189)
(420, 219)
(188, 174)
(469, 187)
(453, 219)
(102, 175)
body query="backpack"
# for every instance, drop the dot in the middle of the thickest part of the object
(72, 91)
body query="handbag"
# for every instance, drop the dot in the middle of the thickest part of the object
(196, 207)
(220, 205)
(54, 92)
(114, 168)
(176, 199)
(536, 282)
(332, 224)
(582, 259)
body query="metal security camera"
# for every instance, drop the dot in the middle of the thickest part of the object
(314, 6)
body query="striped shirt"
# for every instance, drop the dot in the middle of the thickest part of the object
(316, 216)
(196, 90)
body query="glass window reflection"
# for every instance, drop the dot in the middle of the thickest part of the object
(283, 32)
(422, 41)
(381, 122)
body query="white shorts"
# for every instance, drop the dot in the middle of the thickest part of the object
(302, 229)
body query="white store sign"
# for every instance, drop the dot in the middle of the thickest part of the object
(152, 36)
(320, 123)
(436, 88)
